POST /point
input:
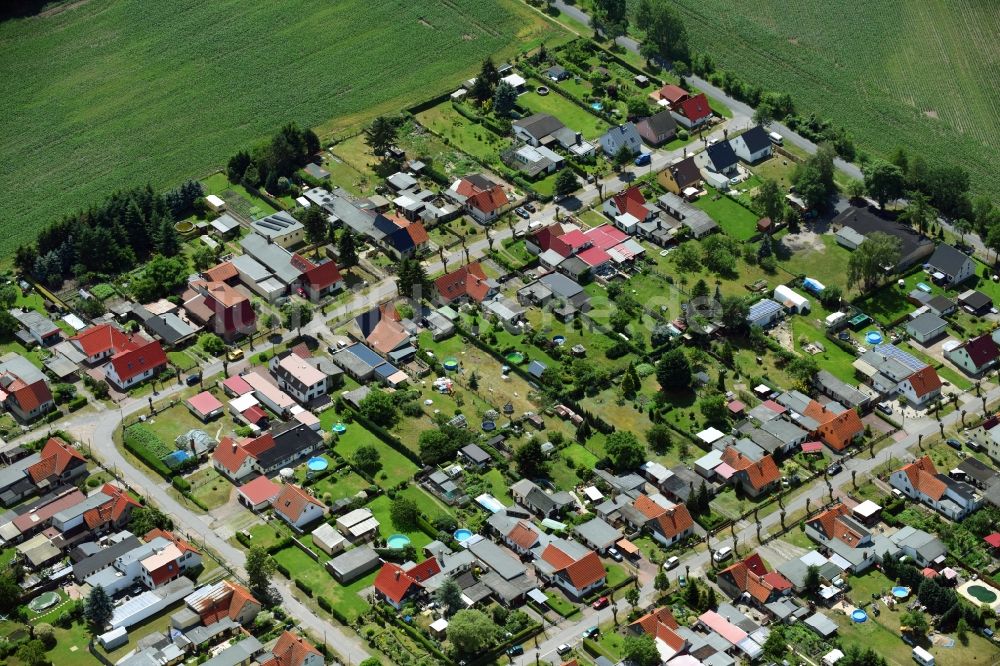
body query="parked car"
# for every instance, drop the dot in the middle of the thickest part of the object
(234, 354)
(884, 407)
(521, 213)
(530, 207)
(643, 159)
(602, 602)
(834, 469)
(682, 580)
(515, 650)
(954, 443)
(974, 445)
(590, 632)
(671, 562)
(723, 554)
(563, 649)
(614, 554)
(193, 380)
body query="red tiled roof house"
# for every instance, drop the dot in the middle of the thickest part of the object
(297, 507)
(572, 566)
(396, 585)
(920, 480)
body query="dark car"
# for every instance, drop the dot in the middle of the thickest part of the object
(530, 207)
(884, 408)
(520, 212)
(193, 380)
(954, 443)
(834, 469)
(515, 650)
(643, 159)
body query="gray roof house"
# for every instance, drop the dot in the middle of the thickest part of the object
(840, 390)
(697, 220)
(925, 327)
(625, 135)
(475, 455)
(597, 534)
(353, 564)
(950, 266)
(924, 548)
(280, 228)
(274, 257)
(530, 496)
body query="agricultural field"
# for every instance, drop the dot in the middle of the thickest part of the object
(917, 74)
(236, 72)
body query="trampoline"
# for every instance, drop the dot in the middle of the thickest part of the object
(900, 592)
(462, 535)
(398, 541)
(489, 426)
(559, 339)
(873, 337)
(515, 358)
(542, 90)
(339, 428)
(44, 601)
(451, 364)
(317, 464)
(859, 615)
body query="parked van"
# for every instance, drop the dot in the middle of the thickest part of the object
(671, 562)
(723, 554)
(922, 656)
(776, 138)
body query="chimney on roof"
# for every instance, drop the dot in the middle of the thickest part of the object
(579, 138)
(397, 574)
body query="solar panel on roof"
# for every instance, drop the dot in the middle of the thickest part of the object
(907, 359)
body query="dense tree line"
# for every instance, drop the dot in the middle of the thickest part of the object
(268, 163)
(110, 238)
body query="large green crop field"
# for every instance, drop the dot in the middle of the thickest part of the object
(915, 73)
(111, 93)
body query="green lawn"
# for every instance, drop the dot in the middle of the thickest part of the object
(380, 509)
(736, 220)
(268, 535)
(210, 488)
(617, 574)
(396, 468)
(571, 115)
(338, 485)
(476, 140)
(182, 360)
(237, 197)
(169, 423)
(108, 136)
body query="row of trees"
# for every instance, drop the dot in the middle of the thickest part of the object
(109, 238)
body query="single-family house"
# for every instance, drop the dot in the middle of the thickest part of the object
(721, 158)
(921, 387)
(682, 178)
(942, 306)
(692, 111)
(321, 280)
(481, 198)
(299, 377)
(949, 266)
(24, 391)
(669, 523)
(750, 580)
(397, 585)
(695, 219)
(837, 530)
(258, 494)
(225, 599)
(166, 562)
(667, 634)
(572, 566)
(923, 548)
(628, 202)
(468, 283)
(658, 128)
(920, 480)
(39, 328)
(533, 161)
(280, 228)
(975, 356)
(926, 327)
(220, 308)
(753, 145)
(517, 534)
(527, 493)
(293, 650)
(204, 406)
(297, 507)
(836, 425)
(597, 534)
(756, 477)
(621, 137)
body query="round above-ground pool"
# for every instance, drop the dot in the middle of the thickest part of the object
(489, 426)
(44, 601)
(398, 541)
(450, 364)
(542, 90)
(462, 535)
(515, 358)
(339, 428)
(873, 337)
(596, 106)
(559, 339)
(317, 464)
(859, 615)
(982, 593)
(900, 592)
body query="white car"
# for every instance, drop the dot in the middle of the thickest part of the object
(563, 649)
(723, 554)
(671, 562)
